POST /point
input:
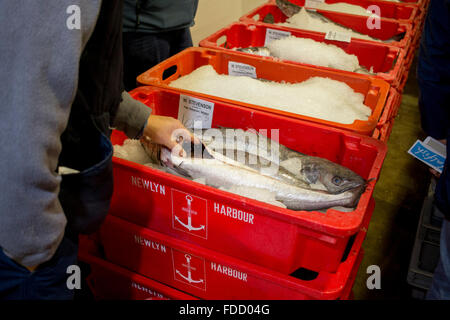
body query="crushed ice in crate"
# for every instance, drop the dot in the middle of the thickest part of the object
(317, 97)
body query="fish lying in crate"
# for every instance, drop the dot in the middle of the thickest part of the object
(240, 162)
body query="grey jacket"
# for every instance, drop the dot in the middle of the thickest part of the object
(39, 58)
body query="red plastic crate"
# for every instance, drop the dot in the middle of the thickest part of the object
(405, 78)
(375, 90)
(401, 12)
(389, 28)
(277, 238)
(394, 100)
(384, 132)
(387, 61)
(111, 282)
(419, 3)
(210, 275)
(347, 293)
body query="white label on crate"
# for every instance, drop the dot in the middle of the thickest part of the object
(313, 3)
(241, 69)
(338, 36)
(147, 290)
(272, 34)
(232, 273)
(234, 213)
(189, 269)
(149, 244)
(189, 214)
(193, 112)
(148, 185)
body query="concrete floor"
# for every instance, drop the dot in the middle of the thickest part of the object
(398, 194)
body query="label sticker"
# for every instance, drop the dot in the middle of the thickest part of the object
(426, 152)
(189, 214)
(272, 34)
(338, 36)
(195, 112)
(241, 69)
(189, 269)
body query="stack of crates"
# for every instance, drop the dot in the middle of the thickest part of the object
(425, 254)
(171, 238)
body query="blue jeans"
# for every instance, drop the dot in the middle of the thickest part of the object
(47, 282)
(440, 287)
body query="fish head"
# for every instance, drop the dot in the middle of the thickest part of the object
(182, 153)
(334, 177)
(288, 8)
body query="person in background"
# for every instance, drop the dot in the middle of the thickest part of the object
(61, 93)
(154, 30)
(433, 74)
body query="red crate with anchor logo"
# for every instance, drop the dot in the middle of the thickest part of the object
(259, 233)
(207, 274)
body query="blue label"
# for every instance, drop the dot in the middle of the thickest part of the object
(421, 152)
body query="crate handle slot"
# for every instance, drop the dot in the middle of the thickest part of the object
(222, 41)
(256, 17)
(170, 71)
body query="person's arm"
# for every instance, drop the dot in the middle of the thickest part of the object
(131, 117)
(134, 118)
(39, 72)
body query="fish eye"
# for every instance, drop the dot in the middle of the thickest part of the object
(337, 180)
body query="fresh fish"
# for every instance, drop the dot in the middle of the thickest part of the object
(244, 146)
(259, 51)
(219, 174)
(229, 158)
(288, 8)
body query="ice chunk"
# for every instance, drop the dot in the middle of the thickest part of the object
(316, 97)
(306, 21)
(132, 150)
(313, 52)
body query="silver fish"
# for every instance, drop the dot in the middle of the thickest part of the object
(219, 174)
(243, 146)
(288, 8)
(236, 158)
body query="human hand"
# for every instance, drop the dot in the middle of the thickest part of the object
(167, 131)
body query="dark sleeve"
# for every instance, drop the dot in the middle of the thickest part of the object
(433, 71)
(131, 117)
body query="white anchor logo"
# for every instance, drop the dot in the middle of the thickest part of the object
(189, 268)
(189, 226)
